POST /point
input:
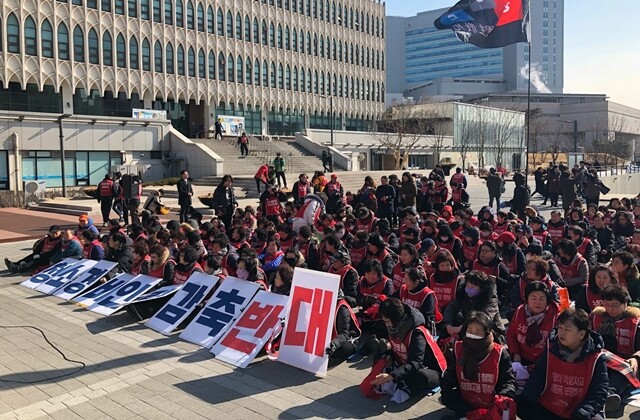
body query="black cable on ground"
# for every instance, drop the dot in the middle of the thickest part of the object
(83, 365)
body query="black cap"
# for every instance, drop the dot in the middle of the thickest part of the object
(342, 256)
(535, 249)
(471, 232)
(54, 228)
(428, 243)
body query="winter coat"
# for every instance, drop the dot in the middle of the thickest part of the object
(553, 181)
(463, 305)
(410, 191)
(567, 189)
(385, 195)
(494, 185)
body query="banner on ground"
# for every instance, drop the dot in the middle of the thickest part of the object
(309, 321)
(92, 296)
(249, 333)
(124, 295)
(65, 276)
(182, 303)
(83, 282)
(158, 293)
(45, 275)
(225, 305)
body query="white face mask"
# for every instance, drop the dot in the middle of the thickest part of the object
(473, 336)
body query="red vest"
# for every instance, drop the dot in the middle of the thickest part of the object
(582, 249)
(445, 292)
(238, 245)
(286, 244)
(272, 206)
(357, 255)
(626, 330)
(272, 257)
(470, 252)
(181, 277)
(572, 270)
(456, 195)
(304, 249)
(500, 228)
(427, 263)
(481, 392)
(523, 282)
(541, 236)
(354, 319)
(225, 265)
(567, 384)
(105, 188)
(519, 324)
(159, 272)
(593, 299)
(135, 269)
(416, 300)
(512, 264)
(458, 177)
(398, 276)
(447, 245)
(332, 188)
(442, 193)
(556, 233)
(374, 290)
(302, 189)
(50, 243)
(489, 271)
(342, 273)
(365, 226)
(88, 248)
(401, 347)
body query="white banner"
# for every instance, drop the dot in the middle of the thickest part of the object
(309, 321)
(159, 293)
(92, 296)
(84, 281)
(221, 310)
(249, 333)
(65, 276)
(182, 303)
(124, 295)
(45, 275)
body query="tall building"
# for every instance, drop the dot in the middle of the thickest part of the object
(281, 64)
(420, 56)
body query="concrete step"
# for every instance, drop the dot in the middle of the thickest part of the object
(58, 210)
(74, 205)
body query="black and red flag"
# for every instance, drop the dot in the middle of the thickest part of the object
(488, 23)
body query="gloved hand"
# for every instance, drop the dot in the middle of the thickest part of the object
(329, 351)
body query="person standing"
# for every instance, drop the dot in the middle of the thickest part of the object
(540, 187)
(280, 165)
(330, 160)
(567, 190)
(218, 128)
(325, 161)
(553, 185)
(385, 194)
(459, 178)
(262, 176)
(243, 140)
(224, 200)
(521, 196)
(118, 196)
(105, 197)
(131, 193)
(592, 186)
(185, 192)
(494, 186)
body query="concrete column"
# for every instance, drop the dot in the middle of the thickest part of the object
(265, 121)
(67, 100)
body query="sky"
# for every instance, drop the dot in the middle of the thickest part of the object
(601, 53)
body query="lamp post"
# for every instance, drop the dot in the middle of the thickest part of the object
(330, 111)
(62, 172)
(575, 133)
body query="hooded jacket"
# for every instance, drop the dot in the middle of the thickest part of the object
(610, 342)
(463, 305)
(593, 403)
(521, 194)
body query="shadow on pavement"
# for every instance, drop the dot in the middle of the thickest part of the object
(100, 325)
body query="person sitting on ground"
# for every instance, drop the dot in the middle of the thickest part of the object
(573, 267)
(537, 270)
(415, 363)
(571, 362)
(43, 250)
(162, 266)
(282, 280)
(71, 248)
(600, 277)
(446, 280)
(248, 269)
(479, 382)
(120, 252)
(377, 249)
(346, 331)
(141, 259)
(623, 265)
(86, 223)
(154, 201)
(92, 247)
(415, 293)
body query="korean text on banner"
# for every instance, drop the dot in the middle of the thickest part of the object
(45, 275)
(225, 305)
(92, 296)
(249, 333)
(84, 281)
(309, 321)
(124, 295)
(65, 276)
(182, 303)
(158, 293)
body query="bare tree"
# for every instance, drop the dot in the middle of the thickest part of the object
(483, 126)
(400, 130)
(439, 125)
(465, 135)
(506, 124)
(557, 140)
(607, 144)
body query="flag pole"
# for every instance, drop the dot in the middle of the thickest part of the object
(526, 171)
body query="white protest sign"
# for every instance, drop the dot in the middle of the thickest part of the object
(92, 296)
(45, 275)
(225, 305)
(159, 293)
(124, 295)
(182, 303)
(249, 333)
(65, 276)
(309, 321)
(84, 281)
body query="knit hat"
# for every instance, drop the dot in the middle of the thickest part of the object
(427, 243)
(506, 237)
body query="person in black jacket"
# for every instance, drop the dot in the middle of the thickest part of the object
(224, 200)
(605, 237)
(185, 192)
(345, 339)
(414, 361)
(571, 342)
(385, 194)
(119, 251)
(494, 186)
(521, 196)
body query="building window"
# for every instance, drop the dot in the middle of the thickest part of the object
(133, 8)
(202, 65)
(107, 49)
(105, 5)
(229, 24)
(30, 37)
(221, 67)
(247, 29)
(239, 70)
(279, 36)
(157, 11)
(210, 20)
(13, 34)
(76, 2)
(256, 32)
(144, 9)
(256, 73)
(265, 74)
(247, 72)
(295, 79)
(230, 69)
(180, 60)
(94, 53)
(220, 22)
(287, 77)
(190, 16)
(133, 53)
(119, 7)
(273, 75)
(191, 62)
(200, 18)
(272, 35)
(238, 26)
(294, 40)
(302, 80)
(287, 38)
(265, 33)
(168, 12)
(46, 31)
(146, 55)
(78, 45)
(170, 64)
(157, 57)
(92, 4)
(121, 52)
(212, 65)
(179, 13)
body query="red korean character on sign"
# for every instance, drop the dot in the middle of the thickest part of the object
(255, 319)
(313, 338)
